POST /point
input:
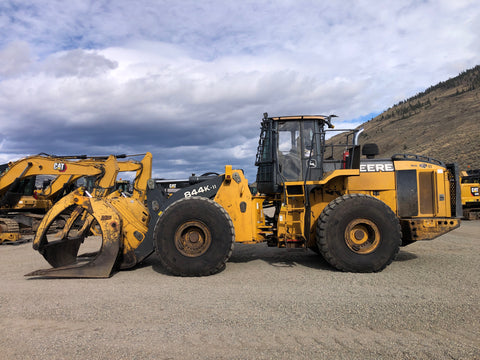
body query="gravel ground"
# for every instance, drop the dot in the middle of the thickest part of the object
(268, 304)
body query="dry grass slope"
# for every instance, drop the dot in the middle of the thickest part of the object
(443, 122)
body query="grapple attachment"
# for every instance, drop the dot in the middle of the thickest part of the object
(61, 249)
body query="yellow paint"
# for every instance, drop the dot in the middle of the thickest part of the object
(244, 209)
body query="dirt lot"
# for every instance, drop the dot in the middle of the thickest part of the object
(268, 304)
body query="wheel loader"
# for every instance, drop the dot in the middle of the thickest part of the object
(470, 187)
(22, 205)
(311, 194)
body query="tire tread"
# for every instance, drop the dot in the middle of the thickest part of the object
(211, 271)
(325, 217)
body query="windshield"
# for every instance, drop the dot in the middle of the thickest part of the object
(295, 148)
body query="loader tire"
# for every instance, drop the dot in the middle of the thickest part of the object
(358, 233)
(194, 237)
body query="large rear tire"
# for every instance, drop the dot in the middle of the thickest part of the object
(194, 237)
(358, 233)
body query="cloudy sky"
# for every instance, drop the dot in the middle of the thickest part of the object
(189, 80)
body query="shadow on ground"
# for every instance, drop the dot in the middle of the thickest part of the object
(405, 256)
(276, 257)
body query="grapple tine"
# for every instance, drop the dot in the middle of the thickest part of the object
(64, 249)
(100, 267)
(63, 253)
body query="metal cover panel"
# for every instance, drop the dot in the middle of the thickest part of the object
(407, 193)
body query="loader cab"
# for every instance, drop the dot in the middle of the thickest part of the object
(293, 149)
(17, 190)
(297, 152)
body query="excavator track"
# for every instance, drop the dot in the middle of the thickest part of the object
(10, 232)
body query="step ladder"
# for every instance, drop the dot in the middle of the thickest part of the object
(295, 215)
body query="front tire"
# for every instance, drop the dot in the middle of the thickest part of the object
(194, 237)
(358, 233)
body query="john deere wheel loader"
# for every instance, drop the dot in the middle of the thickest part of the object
(355, 212)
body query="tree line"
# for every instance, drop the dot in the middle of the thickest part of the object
(467, 80)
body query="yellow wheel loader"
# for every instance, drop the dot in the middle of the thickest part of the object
(356, 212)
(22, 205)
(470, 187)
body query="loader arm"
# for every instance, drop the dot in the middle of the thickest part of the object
(143, 171)
(106, 182)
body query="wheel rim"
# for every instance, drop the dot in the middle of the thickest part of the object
(362, 236)
(193, 239)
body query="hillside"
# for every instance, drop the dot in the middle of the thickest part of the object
(443, 122)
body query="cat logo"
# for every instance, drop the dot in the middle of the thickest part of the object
(60, 167)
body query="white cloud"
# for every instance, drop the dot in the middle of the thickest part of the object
(78, 63)
(15, 58)
(189, 78)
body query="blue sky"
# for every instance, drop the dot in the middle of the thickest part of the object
(190, 80)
